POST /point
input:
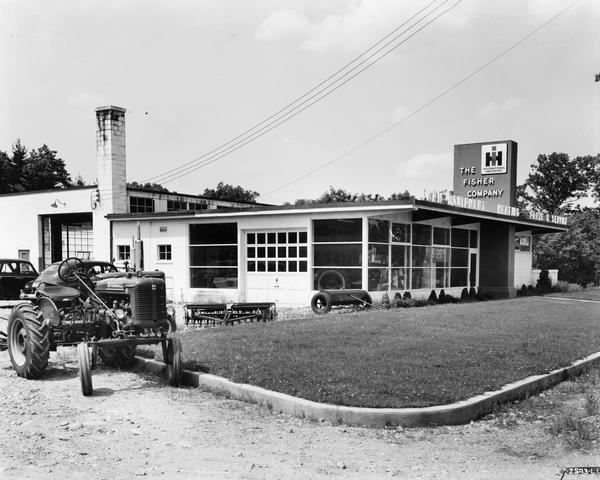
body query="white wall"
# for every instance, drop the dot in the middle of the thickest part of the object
(20, 218)
(176, 271)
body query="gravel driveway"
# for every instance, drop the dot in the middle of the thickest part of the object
(134, 426)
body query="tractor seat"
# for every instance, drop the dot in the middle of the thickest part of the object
(59, 292)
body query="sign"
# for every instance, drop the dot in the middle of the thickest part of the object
(487, 171)
(493, 159)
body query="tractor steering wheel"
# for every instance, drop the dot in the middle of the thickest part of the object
(69, 267)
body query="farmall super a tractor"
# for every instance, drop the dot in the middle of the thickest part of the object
(106, 316)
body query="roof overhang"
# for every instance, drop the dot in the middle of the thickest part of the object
(422, 211)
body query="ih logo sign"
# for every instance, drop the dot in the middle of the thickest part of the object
(493, 159)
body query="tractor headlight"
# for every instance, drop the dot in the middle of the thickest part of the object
(120, 313)
(171, 311)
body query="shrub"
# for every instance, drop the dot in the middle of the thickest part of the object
(385, 301)
(442, 296)
(419, 302)
(397, 300)
(560, 286)
(451, 299)
(530, 290)
(544, 283)
(433, 299)
(472, 293)
(464, 295)
(406, 296)
(522, 291)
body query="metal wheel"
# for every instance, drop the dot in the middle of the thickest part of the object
(85, 372)
(172, 357)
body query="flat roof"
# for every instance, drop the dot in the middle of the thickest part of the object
(423, 210)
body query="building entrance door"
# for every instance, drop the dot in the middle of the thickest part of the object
(277, 267)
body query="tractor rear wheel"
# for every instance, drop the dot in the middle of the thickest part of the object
(85, 372)
(174, 362)
(122, 357)
(28, 341)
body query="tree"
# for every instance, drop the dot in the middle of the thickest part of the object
(225, 191)
(35, 170)
(43, 170)
(576, 252)
(151, 187)
(556, 181)
(334, 195)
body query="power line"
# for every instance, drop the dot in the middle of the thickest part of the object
(427, 104)
(322, 93)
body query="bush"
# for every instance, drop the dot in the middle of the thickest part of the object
(419, 302)
(406, 296)
(560, 286)
(464, 295)
(530, 290)
(544, 283)
(442, 296)
(433, 299)
(385, 301)
(397, 300)
(472, 293)
(522, 291)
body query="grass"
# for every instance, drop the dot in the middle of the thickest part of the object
(404, 357)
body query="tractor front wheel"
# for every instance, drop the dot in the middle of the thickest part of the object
(28, 341)
(85, 372)
(172, 357)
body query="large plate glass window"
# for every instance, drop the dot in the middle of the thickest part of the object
(213, 255)
(337, 253)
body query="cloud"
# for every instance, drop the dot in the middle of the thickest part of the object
(357, 26)
(400, 113)
(493, 108)
(426, 171)
(283, 24)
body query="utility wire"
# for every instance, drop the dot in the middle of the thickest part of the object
(316, 97)
(427, 104)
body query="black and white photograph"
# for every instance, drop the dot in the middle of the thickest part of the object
(299, 239)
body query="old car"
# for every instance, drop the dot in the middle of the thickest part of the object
(14, 275)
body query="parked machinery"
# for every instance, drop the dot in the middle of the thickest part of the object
(106, 316)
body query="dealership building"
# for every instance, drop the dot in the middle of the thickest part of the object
(218, 251)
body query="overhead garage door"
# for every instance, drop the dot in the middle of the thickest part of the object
(277, 267)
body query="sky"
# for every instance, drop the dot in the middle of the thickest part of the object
(195, 74)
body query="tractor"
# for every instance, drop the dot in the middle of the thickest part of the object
(106, 316)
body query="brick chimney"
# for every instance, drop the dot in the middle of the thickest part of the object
(110, 148)
(111, 165)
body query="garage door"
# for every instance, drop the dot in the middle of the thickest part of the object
(277, 267)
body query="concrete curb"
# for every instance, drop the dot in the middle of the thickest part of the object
(453, 414)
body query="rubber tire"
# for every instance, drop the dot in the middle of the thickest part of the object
(28, 341)
(332, 274)
(174, 362)
(108, 355)
(122, 357)
(321, 303)
(172, 324)
(126, 356)
(85, 371)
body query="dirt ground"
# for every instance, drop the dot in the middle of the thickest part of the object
(134, 426)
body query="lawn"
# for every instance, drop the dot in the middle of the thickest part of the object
(403, 357)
